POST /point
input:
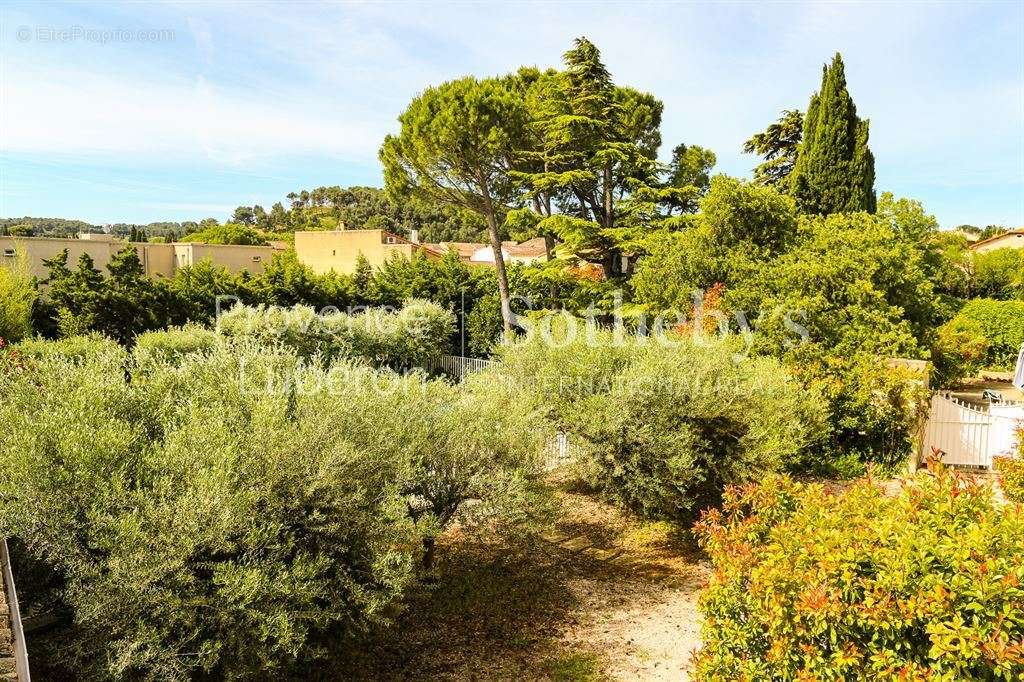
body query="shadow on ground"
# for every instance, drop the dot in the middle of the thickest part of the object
(599, 596)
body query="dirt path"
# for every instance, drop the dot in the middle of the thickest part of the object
(600, 597)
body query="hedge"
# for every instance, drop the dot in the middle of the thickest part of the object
(174, 344)
(405, 338)
(1000, 322)
(72, 347)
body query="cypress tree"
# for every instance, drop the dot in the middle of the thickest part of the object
(835, 169)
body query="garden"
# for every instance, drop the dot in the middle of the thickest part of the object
(687, 456)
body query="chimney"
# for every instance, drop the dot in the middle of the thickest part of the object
(414, 236)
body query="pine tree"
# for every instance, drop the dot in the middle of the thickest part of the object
(835, 169)
(455, 148)
(778, 145)
(591, 145)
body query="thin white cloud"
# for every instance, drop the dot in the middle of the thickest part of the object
(79, 112)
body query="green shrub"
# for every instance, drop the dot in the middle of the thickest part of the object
(408, 337)
(17, 296)
(203, 526)
(174, 344)
(234, 513)
(1000, 322)
(999, 274)
(857, 585)
(231, 233)
(875, 408)
(562, 365)
(1011, 471)
(959, 352)
(72, 347)
(424, 329)
(452, 444)
(664, 428)
(298, 328)
(679, 424)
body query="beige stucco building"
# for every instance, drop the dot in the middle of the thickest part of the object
(157, 259)
(235, 258)
(1014, 239)
(339, 250)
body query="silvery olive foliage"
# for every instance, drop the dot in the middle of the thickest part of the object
(662, 427)
(401, 338)
(235, 510)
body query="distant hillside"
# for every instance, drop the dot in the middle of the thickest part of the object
(66, 227)
(322, 208)
(45, 227)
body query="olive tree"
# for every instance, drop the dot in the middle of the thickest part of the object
(205, 519)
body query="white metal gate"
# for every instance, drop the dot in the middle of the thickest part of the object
(970, 435)
(456, 366)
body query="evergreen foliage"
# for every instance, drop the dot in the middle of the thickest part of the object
(779, 145)
(661, 426)
(834, 170)
(863, 584)
(17, 297)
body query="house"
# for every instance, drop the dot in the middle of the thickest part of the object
(157, 259)
(528, 252)
(464, 249)
(1013, 239)
(324, 251)
(234, 257)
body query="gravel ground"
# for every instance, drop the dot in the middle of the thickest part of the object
(599, 597)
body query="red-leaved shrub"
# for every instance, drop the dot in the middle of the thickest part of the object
(813, 584)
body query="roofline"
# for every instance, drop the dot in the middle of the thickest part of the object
(125, 243)
(1018, 230)
(236, 246)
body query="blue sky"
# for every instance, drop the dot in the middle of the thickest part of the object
(240, 103)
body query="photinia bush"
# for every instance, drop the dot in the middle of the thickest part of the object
(811, 583)
(1011, 471)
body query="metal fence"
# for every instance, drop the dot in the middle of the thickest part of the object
(14, 615)
(969, 435)
(561, 449)
(456, 366)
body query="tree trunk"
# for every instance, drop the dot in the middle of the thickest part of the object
(609, 218)
(549, 251)
(428, 553)
(507, 318)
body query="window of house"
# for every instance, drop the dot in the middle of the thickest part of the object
(255, 259)
(9, 253)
